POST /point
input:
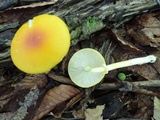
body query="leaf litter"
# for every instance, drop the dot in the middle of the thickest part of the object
(34, 97)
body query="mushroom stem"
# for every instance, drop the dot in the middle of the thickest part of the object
(131, 62)
(96, 69)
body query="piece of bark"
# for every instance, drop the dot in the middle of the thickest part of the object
(18, 101)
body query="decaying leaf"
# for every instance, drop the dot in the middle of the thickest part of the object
(66, 104)
(146, 30)
(146, 71)
(151, 29)
(32, 80)
(55, 99)
(59, 78)
(127, 45)
(138, 36)
(79, 113)
(156, 114)
(94, 114)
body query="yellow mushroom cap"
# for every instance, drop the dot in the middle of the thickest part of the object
(40, 44)
(80, 64)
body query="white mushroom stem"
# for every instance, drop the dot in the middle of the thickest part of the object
(96, 70)
(127, 63)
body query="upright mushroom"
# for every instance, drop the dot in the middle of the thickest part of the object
(87, 67)
(40, 44)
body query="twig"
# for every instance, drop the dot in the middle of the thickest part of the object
(138, 87)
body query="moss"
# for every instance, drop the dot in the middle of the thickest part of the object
(82, 31)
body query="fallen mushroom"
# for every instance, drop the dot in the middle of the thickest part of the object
(40, 44)
(87, 67)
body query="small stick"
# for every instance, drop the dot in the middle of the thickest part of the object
(139, 84)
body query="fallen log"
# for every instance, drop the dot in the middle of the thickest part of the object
(85, 17)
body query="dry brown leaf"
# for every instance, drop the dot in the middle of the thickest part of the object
(145, 30)
(59, 78)
(151, 28)
(94, 114)
(146, 71)
(139, 36)
(54, 98)
(143, 106)
(30, 81)
(65, 105)
(121, 36)
(79, 113)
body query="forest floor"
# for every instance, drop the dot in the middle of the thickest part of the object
(53, 96)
